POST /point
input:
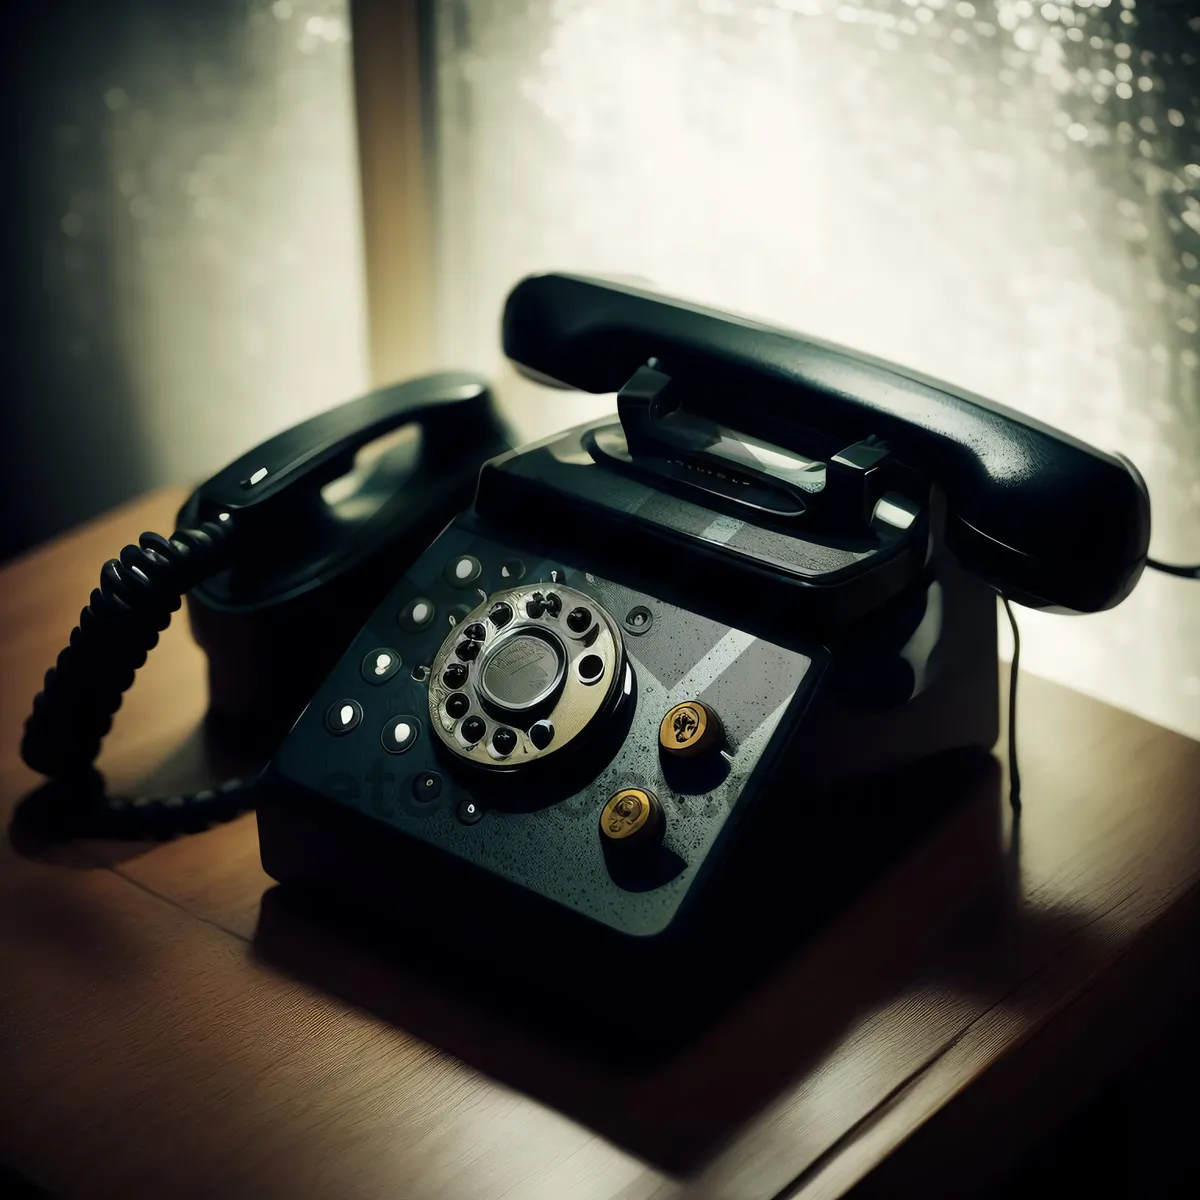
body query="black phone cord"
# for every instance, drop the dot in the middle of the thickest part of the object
(118, 628)
(1014, 774)
(1183, 570)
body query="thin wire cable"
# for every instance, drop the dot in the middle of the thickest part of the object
(1183, 570)
(1014, 775)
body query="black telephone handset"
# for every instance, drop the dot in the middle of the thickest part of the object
(281, 556)
(1047, 520)
(307, 566)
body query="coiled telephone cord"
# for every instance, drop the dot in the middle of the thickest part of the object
(73, 712)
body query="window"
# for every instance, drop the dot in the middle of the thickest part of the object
(1003, 195)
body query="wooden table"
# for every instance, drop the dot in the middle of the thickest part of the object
(968, 1001)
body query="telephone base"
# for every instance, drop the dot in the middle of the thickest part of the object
(818, 773)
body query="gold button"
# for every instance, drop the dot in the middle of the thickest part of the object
(689, 728)
(632, 815)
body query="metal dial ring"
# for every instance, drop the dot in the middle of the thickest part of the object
(522, 670)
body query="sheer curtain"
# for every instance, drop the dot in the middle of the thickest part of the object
(1003, 195)
(187, 244)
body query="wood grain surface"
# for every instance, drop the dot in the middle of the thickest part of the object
(164, 1030)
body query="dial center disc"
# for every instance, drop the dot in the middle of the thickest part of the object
(522, 670)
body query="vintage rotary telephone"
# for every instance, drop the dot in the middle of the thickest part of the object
(658, 649)
(652, 653)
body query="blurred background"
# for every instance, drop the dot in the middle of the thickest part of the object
(227, 215)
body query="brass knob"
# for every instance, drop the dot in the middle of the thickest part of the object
(631, 817)
(689, 729)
